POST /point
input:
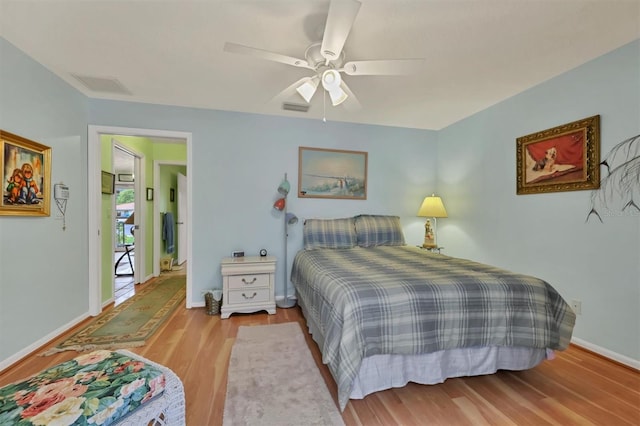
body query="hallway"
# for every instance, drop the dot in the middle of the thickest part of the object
(124, 287)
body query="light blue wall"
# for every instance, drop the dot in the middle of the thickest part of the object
(240, 159)
(43, 269)
(546, 234)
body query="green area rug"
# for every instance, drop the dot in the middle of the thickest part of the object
(131, 323)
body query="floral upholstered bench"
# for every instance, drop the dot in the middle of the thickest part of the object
(98, 388)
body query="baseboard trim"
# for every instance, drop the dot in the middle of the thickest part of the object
(606, 353)
(8, 362)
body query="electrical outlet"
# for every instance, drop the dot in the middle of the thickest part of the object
(576, 305)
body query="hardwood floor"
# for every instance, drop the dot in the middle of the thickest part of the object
(577, 388)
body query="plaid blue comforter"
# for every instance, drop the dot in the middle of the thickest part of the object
(403, 300)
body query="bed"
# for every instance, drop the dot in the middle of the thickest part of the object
(384, 313)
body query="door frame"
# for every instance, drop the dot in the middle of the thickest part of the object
(139, 183)
(94, 197)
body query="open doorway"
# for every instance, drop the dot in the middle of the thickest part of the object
(171, 247)
(145, 212)
(124, 167)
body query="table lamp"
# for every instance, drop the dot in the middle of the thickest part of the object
(431, 207)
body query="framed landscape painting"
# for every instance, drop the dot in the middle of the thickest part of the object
(25, 168)
(332, 173)
(564, 158)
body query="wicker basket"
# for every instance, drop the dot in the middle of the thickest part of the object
(211, 304)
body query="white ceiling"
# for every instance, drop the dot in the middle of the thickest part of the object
(478, 52)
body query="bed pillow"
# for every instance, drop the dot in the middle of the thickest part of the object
(329, 233)
(379, 230)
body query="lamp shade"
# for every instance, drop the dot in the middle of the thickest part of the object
(291, 219)
(308, 88)
(284, 187)
(432, 207)
(280, 204)
(331, 81)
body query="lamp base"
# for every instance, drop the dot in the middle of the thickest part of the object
(286, 303)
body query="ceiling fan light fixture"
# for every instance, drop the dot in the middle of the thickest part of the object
(331, 81)
(338, 96)
(308, 89)
(326, 59)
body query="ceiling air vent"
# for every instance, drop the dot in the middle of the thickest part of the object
(290, 106)
(104, 85)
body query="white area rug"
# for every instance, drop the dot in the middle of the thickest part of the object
(273, 380)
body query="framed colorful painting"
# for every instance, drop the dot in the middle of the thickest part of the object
(332, 173)
(564, 158)
(25, 168)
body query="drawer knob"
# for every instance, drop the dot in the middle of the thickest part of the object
(249, 282)
(249, 297)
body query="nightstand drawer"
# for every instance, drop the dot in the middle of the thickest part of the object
(249, 295)
(248, 281)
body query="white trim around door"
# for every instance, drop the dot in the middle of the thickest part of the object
(94, 233)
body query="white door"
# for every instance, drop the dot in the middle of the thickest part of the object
(181, 228)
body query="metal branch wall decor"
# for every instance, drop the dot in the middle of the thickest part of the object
(619, 192)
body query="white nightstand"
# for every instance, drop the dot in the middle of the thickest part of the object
(248, 285)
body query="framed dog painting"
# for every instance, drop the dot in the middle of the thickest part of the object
(25, 168)
(564, 158)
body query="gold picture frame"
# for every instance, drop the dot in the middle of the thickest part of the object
(563, 158)
(332, 173)
(25, 169)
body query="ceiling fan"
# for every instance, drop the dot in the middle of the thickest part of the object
(327, 60)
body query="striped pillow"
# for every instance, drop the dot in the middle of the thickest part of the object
(329, 233)
(377, 230)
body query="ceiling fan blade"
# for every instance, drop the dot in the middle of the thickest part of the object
(290, 90)
(342, 14)
(351, 103)
(384, 67)
(265, 54)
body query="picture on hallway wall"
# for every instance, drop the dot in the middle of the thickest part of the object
(25, 168)
(107, 182)
(332, 173)
(563, 158)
